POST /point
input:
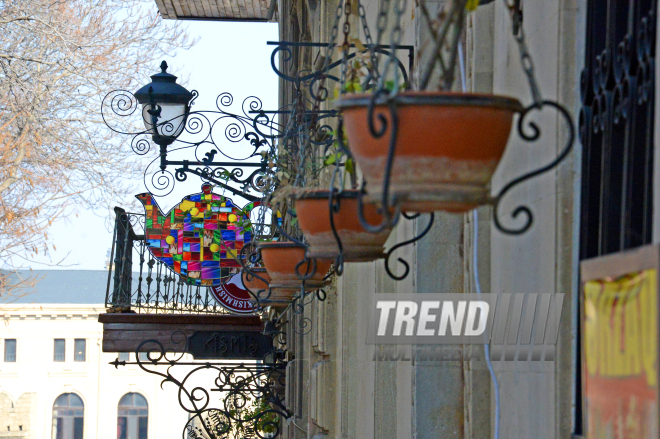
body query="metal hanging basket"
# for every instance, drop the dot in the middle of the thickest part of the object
(426, 151)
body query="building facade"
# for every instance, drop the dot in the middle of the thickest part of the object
(597, 60)
(55, 382)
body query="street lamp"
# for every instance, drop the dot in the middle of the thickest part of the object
(165, 107)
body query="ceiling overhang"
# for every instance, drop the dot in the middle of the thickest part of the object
(219, 10)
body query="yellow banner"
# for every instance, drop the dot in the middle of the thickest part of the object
(620, 355)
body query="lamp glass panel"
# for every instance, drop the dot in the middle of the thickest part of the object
(171, 122)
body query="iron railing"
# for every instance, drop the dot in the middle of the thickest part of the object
(616, 127)
(140, 283)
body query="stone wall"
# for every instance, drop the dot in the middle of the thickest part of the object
(341, 392)
(15, 416)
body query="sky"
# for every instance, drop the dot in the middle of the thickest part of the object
(229, 57)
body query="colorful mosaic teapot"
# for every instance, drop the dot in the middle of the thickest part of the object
(201, 238)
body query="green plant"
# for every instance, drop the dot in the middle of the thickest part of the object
(256, 416)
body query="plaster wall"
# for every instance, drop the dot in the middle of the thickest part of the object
(455, 399)
(34, 381)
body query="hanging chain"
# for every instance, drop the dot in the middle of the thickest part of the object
(381, 25)
(373, 70)
(329, 52)
(322, 92)
(525, 57)
(345, 47)
(395, 39)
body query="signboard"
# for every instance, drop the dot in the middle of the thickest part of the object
(233, 296)
(201, 238)
(229, 345)
(619, 325)
(126, 332)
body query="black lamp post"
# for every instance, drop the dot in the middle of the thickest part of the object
(165, 108)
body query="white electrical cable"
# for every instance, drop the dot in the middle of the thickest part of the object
(461, 63)
(475, 270)
(477, 286)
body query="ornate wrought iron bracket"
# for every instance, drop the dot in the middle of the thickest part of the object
(243, 400)
(390, 252)
(530, 132)
(287, 48)
(253, 131)
(219, 173)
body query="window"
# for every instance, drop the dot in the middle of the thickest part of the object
(132, 417)
(124, 356)
(144, 356)
(79, 349)
(59, 349)
(616, 127)
(68, 413)
(10, 350)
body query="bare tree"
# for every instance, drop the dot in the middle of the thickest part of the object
(57, 61)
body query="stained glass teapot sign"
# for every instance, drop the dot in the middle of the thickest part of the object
(200, 239)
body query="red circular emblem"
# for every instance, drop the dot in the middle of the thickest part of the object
(233, 296)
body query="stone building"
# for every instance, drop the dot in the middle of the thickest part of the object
(597, 60)
(54, 380)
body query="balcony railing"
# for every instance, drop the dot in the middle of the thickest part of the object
(139, 282)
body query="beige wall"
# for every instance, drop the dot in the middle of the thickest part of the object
(352, 396)
(40, 380)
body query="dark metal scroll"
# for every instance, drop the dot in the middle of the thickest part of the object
(284, 51)
(388, 209)
(334, 201)
(390, 252)
(204, 132)
(616, 127)
(532, 135)
(242, 400)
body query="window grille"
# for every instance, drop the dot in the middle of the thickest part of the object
(617, 89)
(616, 127)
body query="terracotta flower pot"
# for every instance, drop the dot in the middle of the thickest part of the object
(280, 260)
(448, 146)
(278, 296)
(313, 210)
(254, 283)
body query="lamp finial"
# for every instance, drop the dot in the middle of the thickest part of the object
(163, 66)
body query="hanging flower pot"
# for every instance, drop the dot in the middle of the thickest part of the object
(254, 283)
(358, 245)
(281, 260)
(276, 297)
(446, 146)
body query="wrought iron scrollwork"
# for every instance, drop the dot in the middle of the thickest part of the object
(532, 135)
(243, 400)
(388, 209)
(334, 201)
(616, 127)
(207, 134)
(390, 252)
(314, 80)
(382, 119)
